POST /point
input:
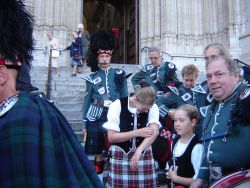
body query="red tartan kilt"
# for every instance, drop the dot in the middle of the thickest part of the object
(121, 175)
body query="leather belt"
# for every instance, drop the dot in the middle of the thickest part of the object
(105, 103)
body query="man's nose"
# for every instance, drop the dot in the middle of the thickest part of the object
(213, 79)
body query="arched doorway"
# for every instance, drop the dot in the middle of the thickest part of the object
(122, 17)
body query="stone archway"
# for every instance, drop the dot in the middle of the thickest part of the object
(119, 15)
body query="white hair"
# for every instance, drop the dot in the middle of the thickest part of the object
(80, 26)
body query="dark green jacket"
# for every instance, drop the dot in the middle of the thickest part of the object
(158, 77)
(221, 149)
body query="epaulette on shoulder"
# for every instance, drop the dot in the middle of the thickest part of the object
(244, 103)
(168, 64)
(171, 65)
(87, 78)
(245, 93)
(119, 71)
(174, 89)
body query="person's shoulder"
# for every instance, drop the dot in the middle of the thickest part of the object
(201, 88)
(119, 71)
(245, 93)
(173, 90)
(33, 98)
(168, 65)
(90, 78)
(243, 106)
(145, 68)
(198, 148)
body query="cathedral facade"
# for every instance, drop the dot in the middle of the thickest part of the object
(179, 27)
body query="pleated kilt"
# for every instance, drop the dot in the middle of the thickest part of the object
(121, 175)
(95, 140)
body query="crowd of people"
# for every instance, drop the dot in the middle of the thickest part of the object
(206, 125)
(202, 135)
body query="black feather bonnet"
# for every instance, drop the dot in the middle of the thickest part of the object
(16, 28)
(100, 42)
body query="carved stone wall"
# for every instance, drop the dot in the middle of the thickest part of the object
(58, 16)
(183, 27)
(179, 27)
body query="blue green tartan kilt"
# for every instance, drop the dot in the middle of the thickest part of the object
(95, 140)
(121, 175)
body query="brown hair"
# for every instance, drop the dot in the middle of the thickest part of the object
(190, 110)
(146, 94)
(220, 47)
(190, 70)
(232, 66)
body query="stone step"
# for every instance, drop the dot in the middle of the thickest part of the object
(71, 115)
(69, 107)
(68, 100)
(77, 125)
(38, 71)
(62, 88)
(60, 79)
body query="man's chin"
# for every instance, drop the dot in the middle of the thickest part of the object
(104, 65)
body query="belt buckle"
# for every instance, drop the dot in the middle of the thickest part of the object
(215, 172)
(106, 103)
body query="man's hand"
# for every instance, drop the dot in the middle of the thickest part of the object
(144, 132)
(198, 183)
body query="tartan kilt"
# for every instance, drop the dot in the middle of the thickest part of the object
(95, 140)
(121, 175)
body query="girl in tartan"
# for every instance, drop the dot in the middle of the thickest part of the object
(133, 124)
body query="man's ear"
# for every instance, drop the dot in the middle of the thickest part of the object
(3, 74)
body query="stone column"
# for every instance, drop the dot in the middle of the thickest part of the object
(157, 23)
(245, 37)
(143, 30)
(58, 16)
(236, 26)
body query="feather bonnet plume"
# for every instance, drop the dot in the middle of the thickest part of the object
(16, 29)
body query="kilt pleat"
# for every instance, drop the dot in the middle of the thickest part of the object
(121, 175)
(95, 141)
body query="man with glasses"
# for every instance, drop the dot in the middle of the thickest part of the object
(226, 127)
(158, 74)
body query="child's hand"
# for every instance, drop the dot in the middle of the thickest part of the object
(135, 159)
(144, 132)
(172, 173)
